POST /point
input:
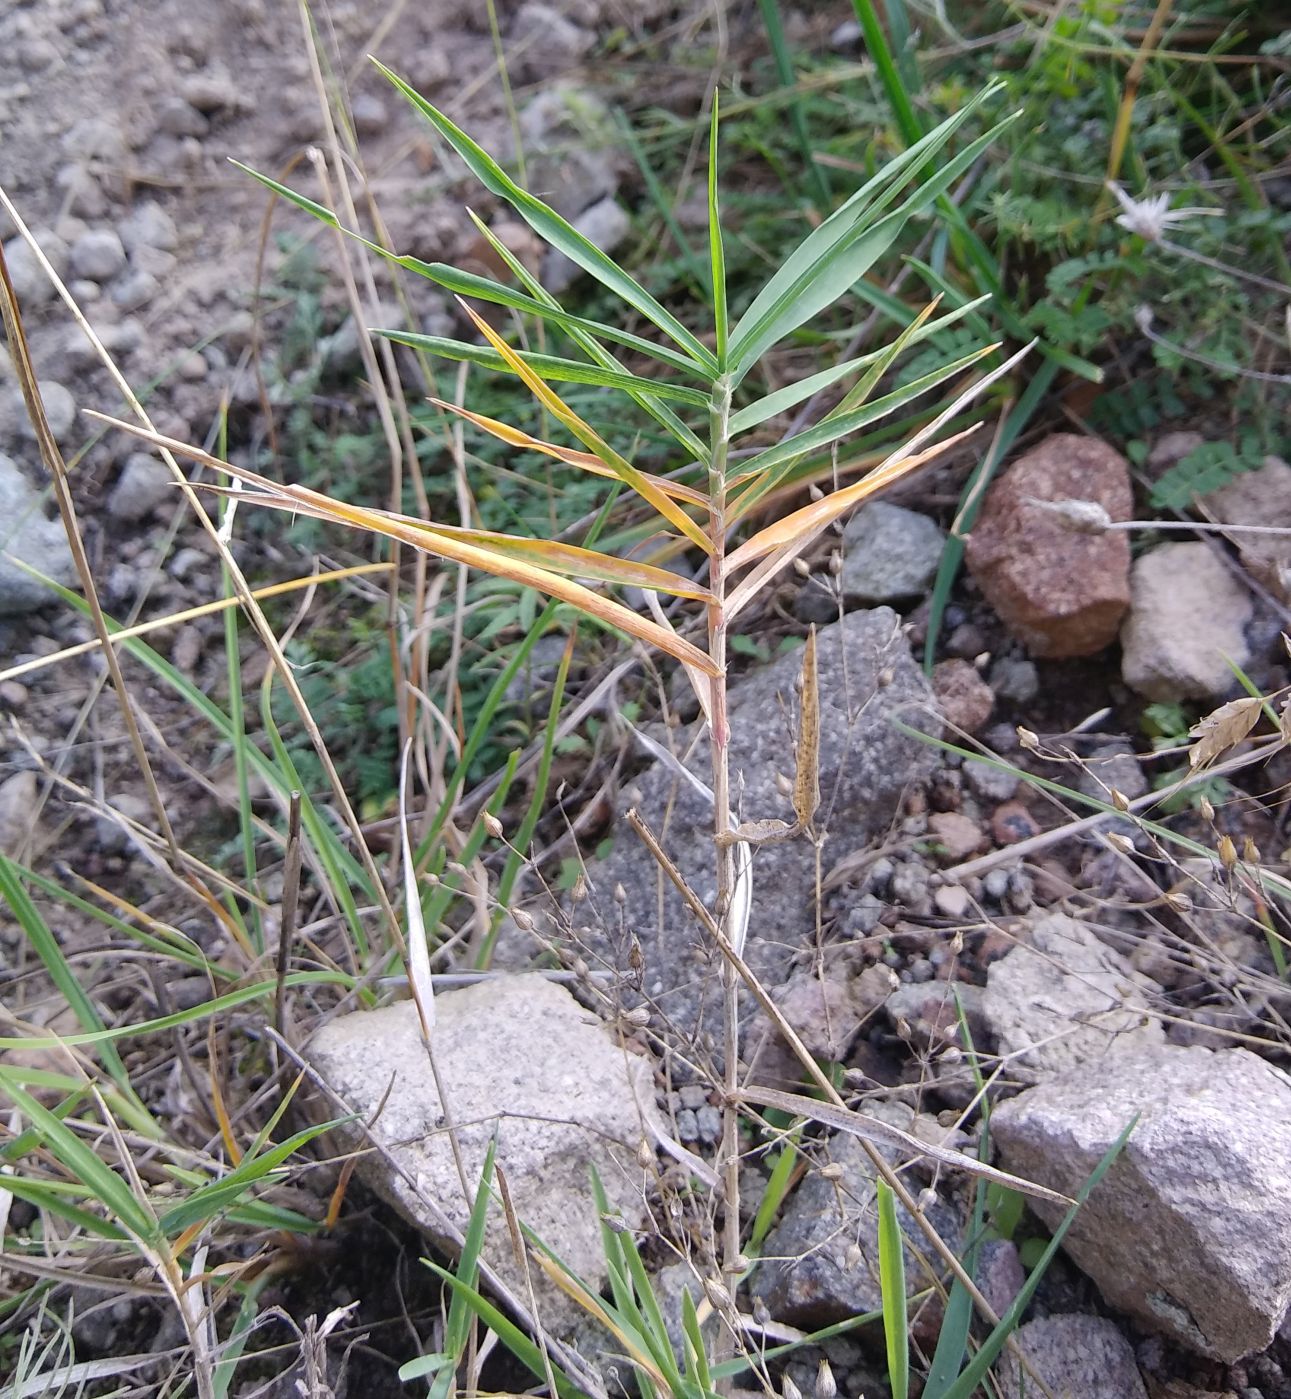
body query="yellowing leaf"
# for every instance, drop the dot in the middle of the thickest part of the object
(586, 460)
(589, 437)
(801, 526)
(1225, 728)
(445, 543)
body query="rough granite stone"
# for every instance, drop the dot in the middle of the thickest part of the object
(1187, 1231)
(517, 1055)
(1063, 998)
(1186, 623)
(867, 678)
(1078, 1357)
(1059, 592)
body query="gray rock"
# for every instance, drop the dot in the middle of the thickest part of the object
(571, 148)
(520, 1057)
(370, 114)
(865, 766)
(135, 289)
(1078, 1357)
(820, 1262)
(60, 412)
(148, 225)
(543, 43)
(1113, 766)
(143, 484)
(30, 283)
(890, 553)
(1064, 998)
(17, 803)
(1186, 622)
(606, 224)
(27, 535)
(1187, 1230)
(991, 783)
(1015, 680)
(98, 255)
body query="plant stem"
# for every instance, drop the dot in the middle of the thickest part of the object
(729, 1159)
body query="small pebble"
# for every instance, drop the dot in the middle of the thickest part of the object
(687, 1125)
(709, 1122)
(991, 783)
(951, 901)
(1011, 823)
(13, 694)
(693, 1096)
(98, 255)
(995, 884)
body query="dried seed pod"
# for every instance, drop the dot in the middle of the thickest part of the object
(826, 1384)
(620, 894)
(492, 825)
(522, 920)
(1207, 810)
(1120, 842)
(831, 1171)
(1227, 852)
(579, 892)
(1250, 851)
(645, 1154)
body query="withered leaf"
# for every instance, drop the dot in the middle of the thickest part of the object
(1222, 730)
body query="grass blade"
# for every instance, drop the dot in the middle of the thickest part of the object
(716, 253)
(835, 255)
(553, 229)
(553, 368)
(584, 460)
(975, 1371)
(782, 400)
(892, 1290)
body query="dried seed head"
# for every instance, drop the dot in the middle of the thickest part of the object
(522, 920)
(801, 567)
(579, 892)
(826, 1385)
(952, 1054)
(885, 677)
(1028, 740)
(761, 1312)
(638, 1016)
(815, 492)
(1227, 852)
(1178, 900)
(737, 1266)
(1119, 800)
(620, 894)
(645, 1154)
(1250, 851)
(1120, 842)
(836, 562)
(717, 1295)
(615, 1223)
(902, 1027)
(853, 1258)
(1206, 809)
(789, 1390)
(831, 1171)
(957, 942)
(456, 867)
(492, 825)
(927, 1199)
(636, 958)
(783, 785)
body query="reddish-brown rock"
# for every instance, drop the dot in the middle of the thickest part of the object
(1060, 592)
(964, 698)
